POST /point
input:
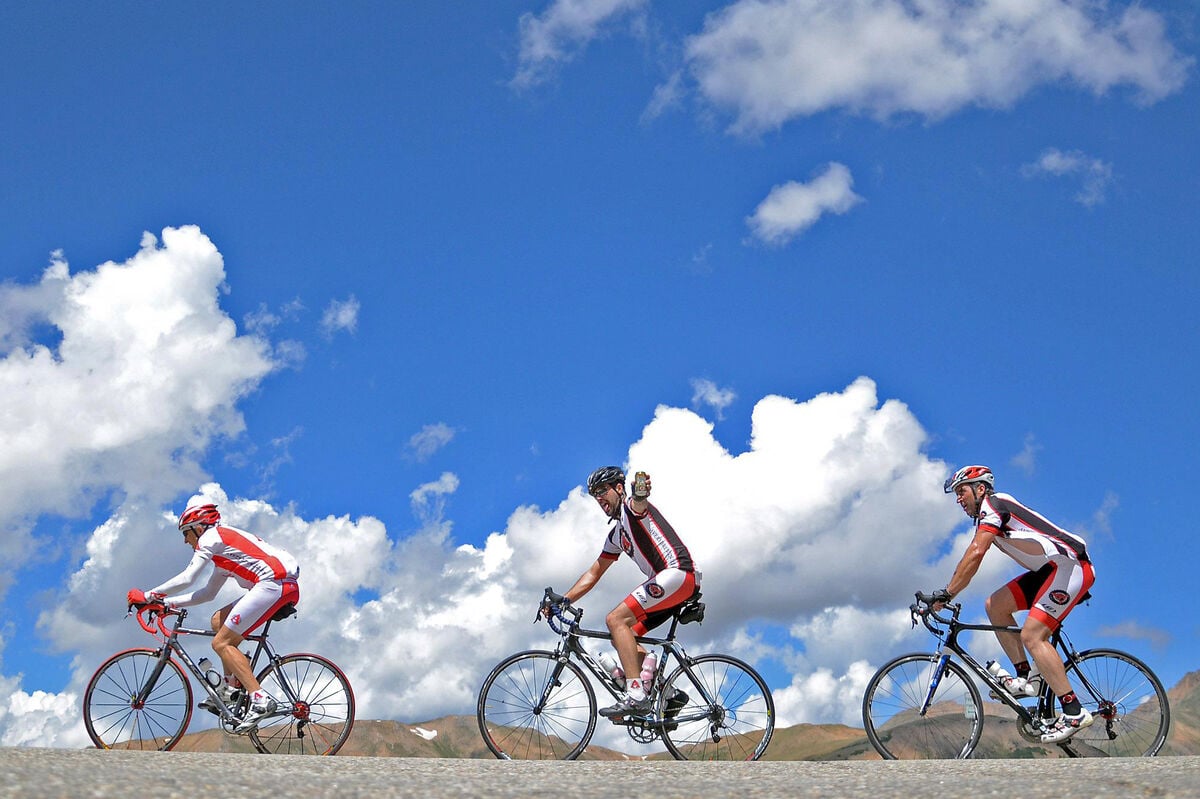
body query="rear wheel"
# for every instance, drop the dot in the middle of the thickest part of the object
(535, 707)
(717, 708)
(319, 704)
(919, 706)
(1129, 707)
(118, 716)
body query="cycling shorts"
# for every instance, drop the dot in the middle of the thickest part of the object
(260, 603)
(655, 600)
(1051, 592)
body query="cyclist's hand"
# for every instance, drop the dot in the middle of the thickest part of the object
(136, 597)
(641, 485)
(939, 599)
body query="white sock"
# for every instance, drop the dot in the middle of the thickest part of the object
(634, 689)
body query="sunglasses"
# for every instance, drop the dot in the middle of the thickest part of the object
(600, 491)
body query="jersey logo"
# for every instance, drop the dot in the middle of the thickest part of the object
(655, 590)
(626, 544)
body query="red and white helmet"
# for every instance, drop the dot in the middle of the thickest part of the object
(199, 516)
(969, 474)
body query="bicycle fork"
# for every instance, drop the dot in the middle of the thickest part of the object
(934, 681)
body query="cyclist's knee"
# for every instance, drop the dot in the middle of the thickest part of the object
(619, 617)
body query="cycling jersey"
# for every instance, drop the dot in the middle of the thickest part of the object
(649, 540)
(233, 553)
(1026, 536)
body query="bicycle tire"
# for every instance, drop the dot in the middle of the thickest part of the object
(737, 727)
(892, 717)
(1128, 704)
(115, 720)
(322, 717)
(515, 724)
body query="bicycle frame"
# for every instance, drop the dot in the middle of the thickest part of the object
(172, 645)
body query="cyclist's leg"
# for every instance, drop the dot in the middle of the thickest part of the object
(1058, 596)
(647, 606)
(243, 617)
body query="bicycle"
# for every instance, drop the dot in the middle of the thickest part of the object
(539, 705)
(927, 705)
(141, 698)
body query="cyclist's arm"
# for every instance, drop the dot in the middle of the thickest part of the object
(200, 595)
(185, 578)
(589, 578)
(971, 559)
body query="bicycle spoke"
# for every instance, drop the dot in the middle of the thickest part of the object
(735, 725)
(515, 722)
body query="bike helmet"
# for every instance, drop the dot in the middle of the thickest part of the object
(969, 474)
(605, 475)
(197, 515)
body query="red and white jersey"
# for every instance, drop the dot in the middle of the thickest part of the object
(1026, 536)
(233, 553)
(649, 540)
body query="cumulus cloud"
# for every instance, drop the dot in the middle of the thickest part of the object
(432, 437)
(1094, 175)
(706, 392)
(768, 61)
(340, 315)
(116, 379)
(1026, 459)
(792, 208)
(557, 35)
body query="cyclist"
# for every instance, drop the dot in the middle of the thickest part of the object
(268, 572)
(1060, 574)
(643, 534)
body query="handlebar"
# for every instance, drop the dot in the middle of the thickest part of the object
(555, 608)
(923, 610)
(158, 614)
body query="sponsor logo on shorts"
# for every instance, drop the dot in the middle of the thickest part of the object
(235, 618)
(1059, 597)
(655, 590)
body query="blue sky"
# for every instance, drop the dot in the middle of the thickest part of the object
(388, 281)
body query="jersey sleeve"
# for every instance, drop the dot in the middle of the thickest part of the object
(611, 549)
(186, 577)
(990, 519)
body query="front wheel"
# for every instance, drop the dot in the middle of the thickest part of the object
(319, 705)
(1128, 705)
(132, 702)
(716, 708)
(922, 706)
(534, 706)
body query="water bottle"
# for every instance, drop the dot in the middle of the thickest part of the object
(995, 669)
(210, 674)
(648, 668)
(611, 666)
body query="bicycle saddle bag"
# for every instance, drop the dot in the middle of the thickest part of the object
(287, 610)
(692, 611)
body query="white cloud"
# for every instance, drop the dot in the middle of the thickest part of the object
(340, 315)
(792, 208)
(557, 35)
(1093, 174)
(706, 392)
(116, 380)
(1026, 459)
(431, 438)
(769, 61)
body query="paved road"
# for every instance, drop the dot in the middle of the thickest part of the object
(177, 775)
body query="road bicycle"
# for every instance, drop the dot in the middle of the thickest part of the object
(539, 705)
(141, 698)
(928, 705)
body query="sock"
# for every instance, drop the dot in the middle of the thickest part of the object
(1070, 704)
(1022, 668)
(635, 689)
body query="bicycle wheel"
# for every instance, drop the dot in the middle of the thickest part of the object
(727, 712)
(319, 721)
(114, 716)
(1126, 700)
(535, 707)
(902, 719)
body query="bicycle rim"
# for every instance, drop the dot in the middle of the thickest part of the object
(515, 721)
(1129, 707)
(737, 725)
(115, 719)
(321, 718)
(952, 720)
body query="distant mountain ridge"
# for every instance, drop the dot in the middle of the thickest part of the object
(458, 736)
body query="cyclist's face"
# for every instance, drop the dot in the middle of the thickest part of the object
(609, 499)
(191, 537)
(968, 498)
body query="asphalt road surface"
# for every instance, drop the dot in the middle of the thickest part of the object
(178, 775)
